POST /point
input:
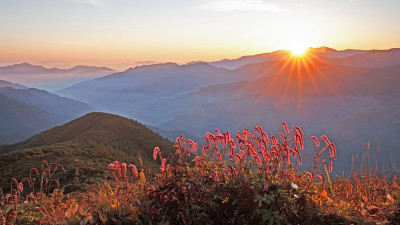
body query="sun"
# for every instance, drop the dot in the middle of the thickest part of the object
(297, 46)
(298, 50)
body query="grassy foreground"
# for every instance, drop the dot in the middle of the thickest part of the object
(249, 178)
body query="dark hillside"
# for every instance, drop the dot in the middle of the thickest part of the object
(86, 145)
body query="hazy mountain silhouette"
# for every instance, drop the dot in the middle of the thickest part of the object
(50, 78)
(64, 109)
(19, 121)
(173, 134)
(26, 68)
(126, 92)
(244, 60)
(323, 52)
(4, 83)
(373, 58)
(28, 111)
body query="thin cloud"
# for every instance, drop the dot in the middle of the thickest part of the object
(98, 3)
(239, 5)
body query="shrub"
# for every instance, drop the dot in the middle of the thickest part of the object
(250, 178)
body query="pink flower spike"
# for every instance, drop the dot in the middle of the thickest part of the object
(111, 166)
(231, 151)
(219, 158)
(321, 177)
(264, 136)
(310, 178)
(285, 127)
(194, 148)
(228, 137)
(274, 140)
(134, 170)
(299, 131)
(205, 150)
(237, 158)
(155, 152)
(45, 163)
(332, 150)
(258, 130)
(325, 139)
(35, 170)
(123, 165)
(162, 167)
(315, 139)
(20, 187)
(258, 160)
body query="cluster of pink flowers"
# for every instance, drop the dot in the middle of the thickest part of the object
(121, 168)
(253, 150)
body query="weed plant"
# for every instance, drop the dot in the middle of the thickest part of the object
(249, 177)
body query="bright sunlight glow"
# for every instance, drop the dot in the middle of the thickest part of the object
(298, 50)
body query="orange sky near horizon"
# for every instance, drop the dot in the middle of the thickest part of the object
(121, 32)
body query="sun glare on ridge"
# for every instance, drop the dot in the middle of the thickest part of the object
(298, 50)
(297, 45)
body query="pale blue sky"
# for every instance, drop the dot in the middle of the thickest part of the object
(69, 31)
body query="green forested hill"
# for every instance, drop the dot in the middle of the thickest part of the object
(84, 147)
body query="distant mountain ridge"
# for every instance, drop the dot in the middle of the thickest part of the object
(4, 83)
(348, 57)
(125, 92)
(50, 78)
(30, 68)
(373, 59)
(21, 68)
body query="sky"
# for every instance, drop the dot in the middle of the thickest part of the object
(124, 32)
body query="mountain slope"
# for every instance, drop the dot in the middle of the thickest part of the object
(4, 83)
(373, 58)
(64, 109)
(245, 60)
(87, 145)
(28, 111)
(19, 120)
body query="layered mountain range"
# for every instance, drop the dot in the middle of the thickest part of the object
(350, 95)
(50, 78)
